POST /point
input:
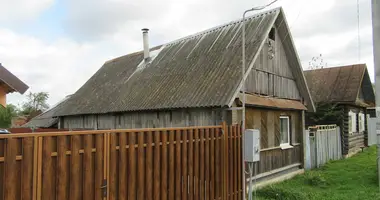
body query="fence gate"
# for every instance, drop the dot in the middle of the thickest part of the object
(172, 163)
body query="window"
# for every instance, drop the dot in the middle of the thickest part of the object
(272, 34)
(361, 122)
(351, 122)
(285, 130)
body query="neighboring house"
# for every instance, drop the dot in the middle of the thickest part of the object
(46, 119)
(9, 83)
(196, 81)
(350, 89)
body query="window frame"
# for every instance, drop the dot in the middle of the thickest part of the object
(352, 119)
(361, 122)
(288, 120)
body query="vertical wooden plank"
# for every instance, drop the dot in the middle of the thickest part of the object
(99, 166)
(202, 164)
(157, 164)
(196, 165)
(132, 167)
(123, 165)
(75, 169)
(207, 163)
(10, 191)
(164, 166)
(27, 168)
(178, 178)
(212, 164)
(184, 158)
(230, 163)
(240, 167)
(140, 168)
(62, 168)
(190, 157)
(149, 167)
(235, 160)
(48, 183)
(171, 166)
(39, 167)
(218, 166)
(88, 186)
(112, 170)
(35, 164)
(225, 160)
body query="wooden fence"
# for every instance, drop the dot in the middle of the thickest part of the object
(323, 144)
(172, 163)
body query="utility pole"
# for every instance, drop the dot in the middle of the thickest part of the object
(376, 56)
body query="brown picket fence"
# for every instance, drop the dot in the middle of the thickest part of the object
(161, 163)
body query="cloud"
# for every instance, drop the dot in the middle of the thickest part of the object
(19, 10)
(99, 30)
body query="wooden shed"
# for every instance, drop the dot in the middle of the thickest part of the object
(349, 90)
(9, 83)
(197, 80)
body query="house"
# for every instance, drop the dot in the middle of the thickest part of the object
(197, 81)
(9, 83)
(349, 90)
(46, 119)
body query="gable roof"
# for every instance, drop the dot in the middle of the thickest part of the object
(340, 84)
(46, 119)
(201, 70)
(15, 84)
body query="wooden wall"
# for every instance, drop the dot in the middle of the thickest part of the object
(268, 121)
(150, 119)
(272, 76)
(3, 96)
(351, 142)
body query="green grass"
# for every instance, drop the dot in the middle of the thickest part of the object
(352, 178)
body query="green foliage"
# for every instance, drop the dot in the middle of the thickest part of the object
(353, 178)
(6, 115)
(35, 103)
(327, 113)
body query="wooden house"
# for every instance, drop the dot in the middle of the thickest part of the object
(197, 80)
(349, 90)
(46, 119)
(9, 83)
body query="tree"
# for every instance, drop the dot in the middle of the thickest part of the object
(35, 104)
(6, 115)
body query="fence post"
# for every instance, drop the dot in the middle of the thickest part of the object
(225, 160)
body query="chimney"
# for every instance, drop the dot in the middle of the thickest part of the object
(146, 44)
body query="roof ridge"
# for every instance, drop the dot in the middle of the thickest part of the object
(277, 9)
(200, 33)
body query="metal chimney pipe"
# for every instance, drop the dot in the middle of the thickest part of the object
(146, 44)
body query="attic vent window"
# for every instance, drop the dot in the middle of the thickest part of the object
(272, 34)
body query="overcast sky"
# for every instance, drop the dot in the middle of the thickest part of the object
(57, 45)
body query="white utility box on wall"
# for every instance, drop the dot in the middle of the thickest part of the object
(252, 145)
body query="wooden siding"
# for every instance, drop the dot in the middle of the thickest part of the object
(3, 95)
(272, 76)
(149, 119)
(268, 122)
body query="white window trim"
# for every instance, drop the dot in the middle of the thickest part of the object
(353, 121)
(287, 144)
(361, 122)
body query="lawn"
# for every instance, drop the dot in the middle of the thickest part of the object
(352, 178)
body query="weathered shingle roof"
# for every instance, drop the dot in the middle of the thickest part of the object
(12, 81)
(46, 119)
(202, 70)
(339, 84)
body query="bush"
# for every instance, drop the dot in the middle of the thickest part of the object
(277, 193)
